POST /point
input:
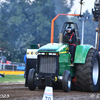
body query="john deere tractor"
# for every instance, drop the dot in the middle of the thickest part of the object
(54, 64)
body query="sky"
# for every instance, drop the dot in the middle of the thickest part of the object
(88, 5)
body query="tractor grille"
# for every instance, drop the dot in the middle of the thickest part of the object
(47, 64)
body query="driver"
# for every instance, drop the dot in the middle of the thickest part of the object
(71, 42)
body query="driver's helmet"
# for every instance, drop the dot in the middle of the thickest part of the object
(69, 30)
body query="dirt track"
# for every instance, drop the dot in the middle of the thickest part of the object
(17, 91)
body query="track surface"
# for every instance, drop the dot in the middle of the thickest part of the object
(17, 91)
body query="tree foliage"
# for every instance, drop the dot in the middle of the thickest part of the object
(25, 22)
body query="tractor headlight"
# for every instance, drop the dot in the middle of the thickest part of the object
(46, 53)
(41, 53)
(52, 53)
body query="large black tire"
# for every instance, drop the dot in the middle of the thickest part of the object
(88, 74)
(66, 81)
(31, 82)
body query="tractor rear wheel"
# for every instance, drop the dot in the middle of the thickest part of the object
(88, 74)
(31, 83)
(66, 81)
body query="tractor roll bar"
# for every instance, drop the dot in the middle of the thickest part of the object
(52, 23)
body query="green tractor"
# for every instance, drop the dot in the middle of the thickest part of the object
(54, 65)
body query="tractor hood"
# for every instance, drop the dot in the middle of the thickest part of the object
(53, 47)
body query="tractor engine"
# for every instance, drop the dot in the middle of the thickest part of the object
(48, 68)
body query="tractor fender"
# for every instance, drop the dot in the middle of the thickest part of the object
(81, 53)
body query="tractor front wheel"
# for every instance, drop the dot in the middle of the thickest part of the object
(88, 74)
(66, 81)
(31, 82)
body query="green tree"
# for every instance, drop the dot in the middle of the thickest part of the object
(90, 26)
(25, 22)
